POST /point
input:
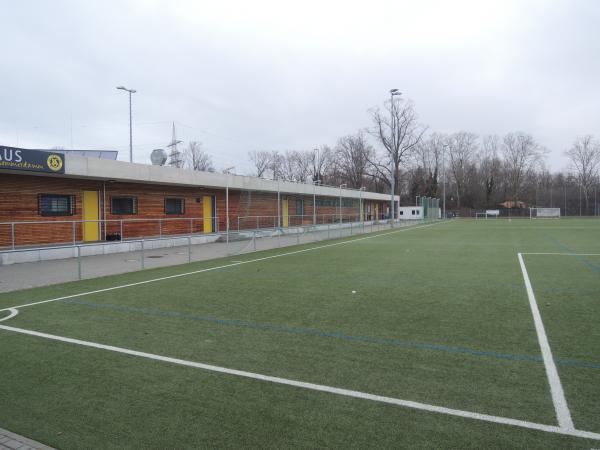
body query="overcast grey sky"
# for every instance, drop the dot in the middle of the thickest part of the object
(281, 75)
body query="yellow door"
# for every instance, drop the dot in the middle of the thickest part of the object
(90, 213)
(284, 211)
(207, 204)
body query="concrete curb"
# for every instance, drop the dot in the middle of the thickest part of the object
(13, 441)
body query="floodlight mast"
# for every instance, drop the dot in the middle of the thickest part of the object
(131, 91)
(393, 93)
(444, 183)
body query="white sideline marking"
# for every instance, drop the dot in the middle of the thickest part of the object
(564, 254)
(220, 267)
(13, 313)
(320, 387)
(558, 396)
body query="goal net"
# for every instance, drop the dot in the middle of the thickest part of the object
(489, 213)
(544, 213)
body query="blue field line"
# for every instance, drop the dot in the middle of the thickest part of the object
(581, 259)
(331, 334)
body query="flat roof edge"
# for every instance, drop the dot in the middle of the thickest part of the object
(106, 169)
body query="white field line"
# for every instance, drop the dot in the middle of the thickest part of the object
(219, 267)
(319, 387)
(558, 396)
(13, 313)
(563, 254)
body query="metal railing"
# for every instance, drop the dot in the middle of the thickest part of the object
(32, 233)
(79, 261)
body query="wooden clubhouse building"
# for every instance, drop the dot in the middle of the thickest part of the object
(57, 197)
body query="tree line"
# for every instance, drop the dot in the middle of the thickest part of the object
(482, 172)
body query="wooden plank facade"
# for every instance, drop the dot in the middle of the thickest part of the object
(20, 202)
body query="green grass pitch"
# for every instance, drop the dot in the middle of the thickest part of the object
(440, 316)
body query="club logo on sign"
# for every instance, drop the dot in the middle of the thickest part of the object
(55, 162)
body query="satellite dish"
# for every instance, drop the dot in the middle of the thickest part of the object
(158, 157)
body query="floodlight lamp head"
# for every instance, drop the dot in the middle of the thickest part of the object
(121, 87)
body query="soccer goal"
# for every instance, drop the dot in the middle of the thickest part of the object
(493, 213)
(544, 213)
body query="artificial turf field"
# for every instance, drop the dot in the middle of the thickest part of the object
(441, 317)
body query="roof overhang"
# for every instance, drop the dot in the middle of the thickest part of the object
(105, 169)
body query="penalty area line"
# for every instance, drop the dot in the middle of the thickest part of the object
(563, 414)
(225, 266)
(319, 387)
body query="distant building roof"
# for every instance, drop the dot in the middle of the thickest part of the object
(102, 154)
(514, 204)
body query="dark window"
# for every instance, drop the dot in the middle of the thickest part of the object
(299, 207)
(123, 205)
(401, 213)
(174, 206)
(56, 205)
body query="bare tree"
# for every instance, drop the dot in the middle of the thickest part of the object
(288, 169)
(276, 162)
(522, 155)
(352, 156)
(427, 157)
(321, 163)
(489, 167)
(303, 163)
(462, 147)
(397, 129)
(585, 162)
(197, 159)
(260, 160)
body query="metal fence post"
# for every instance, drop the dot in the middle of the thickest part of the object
(12, 234)
(328, 225)
(257, 225)
(121, 229)
(191, 226)
(350, 228)
(73, 231)
(142, 258)
(254, 239)
(159, 227)
(189, 249)
(79, 262)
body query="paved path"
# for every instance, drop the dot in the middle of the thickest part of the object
(12, 441)
(28, 275)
